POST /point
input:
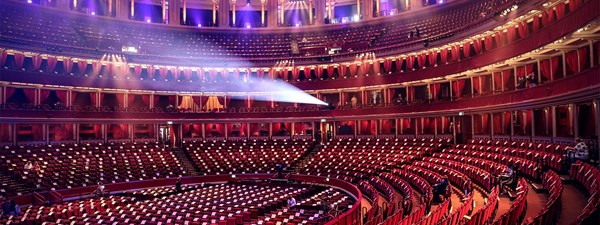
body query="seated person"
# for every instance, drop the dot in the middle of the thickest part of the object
(579, 152)
(178, 185)
(291, 202)
(441, 188)
(99, 190)
(507, 177)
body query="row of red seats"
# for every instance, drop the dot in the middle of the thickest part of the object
(525, 166)
(538, 146)
(436, 215)
(406, 204)
(526, 150)
(515, 214)
(485, 214)
(480, 175)
(457, 216)
(552, 210)
(487, 165)
(374, 215)
(589, 177)
(454, 176)
(388, 193)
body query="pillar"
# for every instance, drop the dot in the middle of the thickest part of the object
(164, 10)
(174, 12)
(272, 13)
(281, 13)
(214, 13)
(132, 8)
(224, 7)
(262, 12)
(415, 4)
(330, 9)
(310, 12)
(122, 9)
(358, 8)
(319, 11)
(63, 4)
(184, 12)
(233, 12)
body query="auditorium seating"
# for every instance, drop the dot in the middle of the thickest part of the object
(256, 156)
(74, 165)
(551, 211)
(518, 208)
(216, 204)
(588, 176)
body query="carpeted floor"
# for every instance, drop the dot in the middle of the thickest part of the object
(535, 202)
(574, 199)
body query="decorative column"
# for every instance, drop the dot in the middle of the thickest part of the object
(184, 11)
(319, 11)
(272, 13)
(310, 12)
(262, 12)
(214, 13)
(121, 9)
(415, 4)
(330, 10)
(224, 7)
(63, 4)
(281, 13)
(164, 10)
(174, 12)
(233, 12)
(358, 8)
(132, 9)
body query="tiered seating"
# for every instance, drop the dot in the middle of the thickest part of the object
(217, 204)
(485, 214)
(589, 177)
(550, 212)
(515, 214)
(481, 176)
(373, 216)
(67, 166)
(527, 167)
(424, 188)
(546, 154)
(353, 159)
(256, 156)
(76, 33)
(454, 176)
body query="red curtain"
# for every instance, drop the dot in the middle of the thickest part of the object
(457, 87)
(498, 80)
(62, 96)
(96, 66)
(476, 85)
(68, 65)
(175, 72)
(387, 65)
(455, 53)
(386, 126)
(51, 64)
(3, 57)
(376, 67)
(573, 4)
(221, 100)
(137, 71)
(151, 130)
(81, 65)
(444, 55)
(19, 60)
(120, 99)
(421, 60)
(432, 58)
(572, 62)
(30, 94)
(187, 74)
(319, 71)
(583, 58)
(511, 34)
(342, 69)
(162, 72)
(44, 94)
(224, 74)
(497, 123)
(488, 42)
(477, 45)
(506, 75)
(410, 62)
(484, 84)
(353, 68)
(260, 73)
(365, 67)
(485, 123)
(467, 49)
(213, 74)
(499, 38)
(93, 98)
(130, 99)
(523, 29)
(536, 23)
(37, 132)
(435, 90)
(560, 10)
(37, 61)
(296, 73)
(98, 130)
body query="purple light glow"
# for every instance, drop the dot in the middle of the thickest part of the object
(29, 1)
(93, 13)
(148, 21)
(199, 25)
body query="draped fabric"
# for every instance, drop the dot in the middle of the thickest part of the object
(573, 4)
(110, 67)
(376, 67)
(94, 100)
(98, 131)
(319, 72)
(61, 95)
(37, 61)
(457, 87)
(299, 128)
(3, 57)
(68, 65)
(342, 69)
(96, 66)
(497, 123)
(30, 94)
(61, 132)
(221, 100)
(523, 29)
(81, 65)
(353, 68)
(511, 34)
(455, 53)
(485, 125)
(477, 45)
(499, 38)
(386, 126)
(44, 94)
(421, 60)
(466, 49)
(484, 84)
(187, 74)
(506, 75)
(37, 132)
(120, 99)
(212, 74)
(130, 100)
(19, 60)
(498, 81)
(547, 17)
(137, 71)
(476, 87)
(249, 101)
(583, 58)
(536, 23)
(175, 72)
(162, 72)
(560, 10)
(572, 61)
(387, 65)
(444, 56)
(426, 125)
(488, 43)
(432, 58)
(434, 89)
(296, 73)
(224, 74)
(410, 62)
(364, 68)
(51, 64)
(406, 125)
(527, 125)
(260, 73)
